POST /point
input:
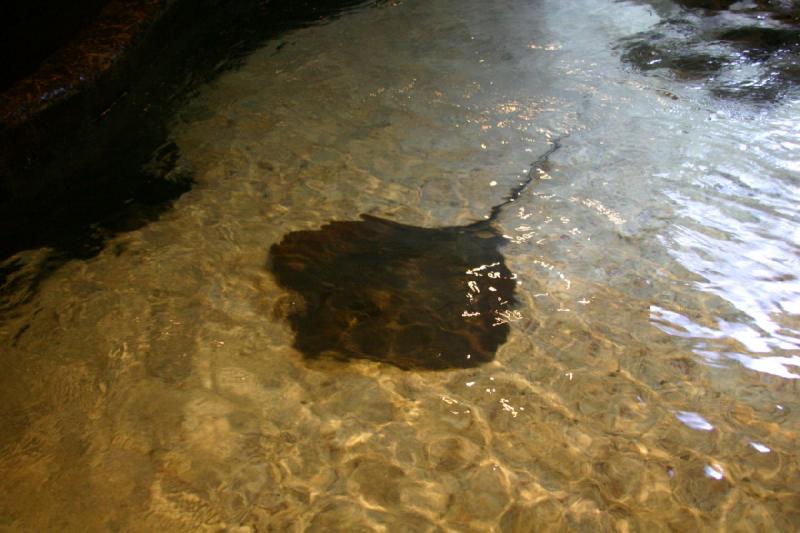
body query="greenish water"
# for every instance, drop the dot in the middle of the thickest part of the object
(648, 382)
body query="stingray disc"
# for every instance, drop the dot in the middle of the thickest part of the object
(426, 298)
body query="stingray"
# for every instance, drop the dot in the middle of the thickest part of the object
(413, 297)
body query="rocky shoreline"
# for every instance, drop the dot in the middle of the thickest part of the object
(78, 136)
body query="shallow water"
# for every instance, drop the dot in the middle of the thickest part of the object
(648, 381)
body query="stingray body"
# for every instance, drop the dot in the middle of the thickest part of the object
(414, 297)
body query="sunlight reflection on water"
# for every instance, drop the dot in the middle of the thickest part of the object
(739, 232)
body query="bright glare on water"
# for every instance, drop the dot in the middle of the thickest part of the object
(649, 379)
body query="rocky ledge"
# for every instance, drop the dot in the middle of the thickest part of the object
(81, 135)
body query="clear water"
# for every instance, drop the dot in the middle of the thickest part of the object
(649, 381)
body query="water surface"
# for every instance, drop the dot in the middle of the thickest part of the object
(648, 378)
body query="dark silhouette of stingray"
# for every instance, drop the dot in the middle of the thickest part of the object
(417, 298)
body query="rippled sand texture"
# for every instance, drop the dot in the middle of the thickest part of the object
(648, 381)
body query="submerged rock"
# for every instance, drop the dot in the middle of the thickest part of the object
(737, 50)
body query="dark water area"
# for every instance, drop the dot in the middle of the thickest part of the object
(93, 164)
(32, 30)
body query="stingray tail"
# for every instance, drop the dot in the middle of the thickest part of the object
(536, 169)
